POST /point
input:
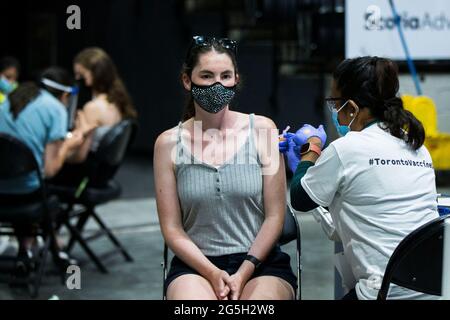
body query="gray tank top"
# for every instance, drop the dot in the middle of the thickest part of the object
(222, 208)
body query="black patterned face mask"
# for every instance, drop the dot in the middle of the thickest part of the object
(213, 98)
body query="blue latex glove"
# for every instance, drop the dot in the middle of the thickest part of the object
(287, 148)
(292, 144)
(308, 131)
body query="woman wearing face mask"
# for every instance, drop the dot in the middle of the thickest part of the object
(220, 212)
(9, 73)
(36, 115)
(377, 180)
(110, 104)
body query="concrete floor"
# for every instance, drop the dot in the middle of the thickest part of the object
(134, 220)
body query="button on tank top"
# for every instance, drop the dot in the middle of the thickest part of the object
(222, 207)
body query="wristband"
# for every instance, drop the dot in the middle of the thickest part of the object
(253, 260)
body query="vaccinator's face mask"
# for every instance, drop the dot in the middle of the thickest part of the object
(341, 129)
(73, 98)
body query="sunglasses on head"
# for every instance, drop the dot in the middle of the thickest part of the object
(203, 41)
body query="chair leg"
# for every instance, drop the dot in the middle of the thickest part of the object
(54, 250)
(84, 216)
(77, 236)
(34, 288)
(111, 236)
(164, 265)
(299, 270)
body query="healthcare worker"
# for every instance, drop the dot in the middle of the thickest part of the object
(36, 114)
(377, 180)
(9, 73)
(110, 104)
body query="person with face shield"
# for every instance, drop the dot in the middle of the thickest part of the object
(377, 180)
(36, 114)
(96, 73)
(220, 191)
(9, 73)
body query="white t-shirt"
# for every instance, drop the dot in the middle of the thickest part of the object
(378, 190)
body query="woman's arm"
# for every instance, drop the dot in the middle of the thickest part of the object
(57, 152)
(274, 186)
(300, 200)
(169, 214)
(86, 122)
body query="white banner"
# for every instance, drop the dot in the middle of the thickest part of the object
(370, 29)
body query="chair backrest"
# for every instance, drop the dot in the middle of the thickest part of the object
(443, 204)
(417, 262)
(16, 159)
(291, 228)
(112, 147)
(111, 151)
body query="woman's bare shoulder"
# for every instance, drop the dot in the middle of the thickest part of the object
(166, 139)
(262, 122)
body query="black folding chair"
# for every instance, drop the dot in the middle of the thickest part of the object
(421, 261)
(291, 232)
(17, 161)
(97, 188)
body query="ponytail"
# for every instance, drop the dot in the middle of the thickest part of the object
(28, 91)
(22, 96)
(118, 95)
(403, 124)
(372, 83)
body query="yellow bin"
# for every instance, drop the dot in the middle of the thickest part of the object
(437, 143)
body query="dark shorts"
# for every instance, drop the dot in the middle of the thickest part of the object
(277, 264)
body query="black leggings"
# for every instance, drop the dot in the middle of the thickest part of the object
(70, 175)
(24, 230)
(11, 199)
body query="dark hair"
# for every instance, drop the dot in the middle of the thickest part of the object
(192, 60)
(9, 62)
(372, 82)
(106, 79)
(28, 91)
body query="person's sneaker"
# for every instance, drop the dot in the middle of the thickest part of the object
(4, 242)
(64, 260)
(8, 246)
(23, 268)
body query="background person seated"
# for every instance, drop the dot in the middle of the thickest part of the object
(110, 104)
(9, 73)
(36, 115)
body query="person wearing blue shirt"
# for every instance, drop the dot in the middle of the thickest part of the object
(42, 125)
(37, 116)
(9, 73)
